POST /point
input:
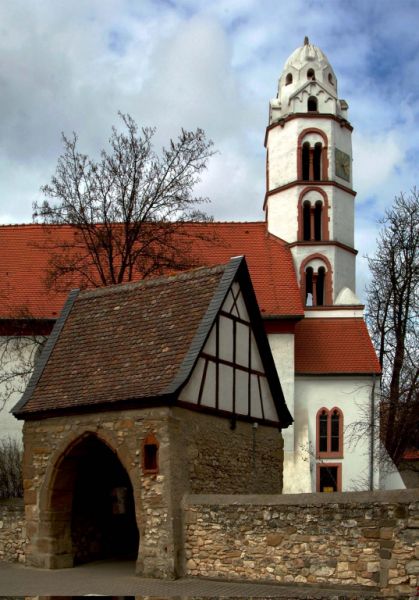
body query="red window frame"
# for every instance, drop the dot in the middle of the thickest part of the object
(325, 466)
(329, 453)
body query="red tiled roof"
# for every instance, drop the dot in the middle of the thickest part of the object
(124, 342)
(24, 257)
(333, 345)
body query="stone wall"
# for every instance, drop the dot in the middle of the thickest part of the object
(197, 452)
(226, 460)
(356, 538)
(12, 530)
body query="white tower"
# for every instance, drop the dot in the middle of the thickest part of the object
(309, 197)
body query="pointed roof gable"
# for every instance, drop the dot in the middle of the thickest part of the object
(136, 344)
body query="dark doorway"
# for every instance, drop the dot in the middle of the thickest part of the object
(103, 523)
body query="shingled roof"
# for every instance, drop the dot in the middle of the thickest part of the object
(331, 346)
(25, 251)
(138, 341)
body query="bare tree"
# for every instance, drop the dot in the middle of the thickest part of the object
(392, 316)
(11, 483)
(126, 216)
(127, 211)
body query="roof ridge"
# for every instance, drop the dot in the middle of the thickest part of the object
(153, 282)
(205, 223)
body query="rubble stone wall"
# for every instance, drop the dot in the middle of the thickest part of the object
(12, 530)
(226, 459)
(196, 453)
(355, 538)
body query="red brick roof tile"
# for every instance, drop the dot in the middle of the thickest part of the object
(124, 342)
(334, 346)
(25, 252)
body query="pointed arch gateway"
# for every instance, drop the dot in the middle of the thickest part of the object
(87, 505)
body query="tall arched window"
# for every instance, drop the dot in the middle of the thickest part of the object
(306, 221)
(311, 75)
(309, 287)
(312, 104)
(329, 427)
(288, 79)
(320, 286)
(306, 161)
(318, 221)
(317, 162)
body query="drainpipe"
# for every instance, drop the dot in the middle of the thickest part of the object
(372, 432)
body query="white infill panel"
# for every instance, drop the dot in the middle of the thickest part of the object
(208, 392)
(256, 362)
(226, 338)
(190, 392)
(242, 392)
(269, 410)
(255, 404)
(228, 302)
(225, 398)
(242, 344)
(241, 307)
(210, 346)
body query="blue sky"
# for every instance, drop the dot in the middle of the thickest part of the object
(72, 66)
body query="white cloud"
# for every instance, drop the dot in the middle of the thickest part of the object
(72, 66)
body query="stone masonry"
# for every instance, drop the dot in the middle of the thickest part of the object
(197, 453)
(355, 538)
(12, 530)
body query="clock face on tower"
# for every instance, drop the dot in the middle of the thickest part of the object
(342, 164)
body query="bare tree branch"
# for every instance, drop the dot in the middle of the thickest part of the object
(392, 316)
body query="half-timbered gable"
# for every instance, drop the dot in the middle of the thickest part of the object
(196, 339)
(230, 375)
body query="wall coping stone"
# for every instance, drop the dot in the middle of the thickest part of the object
(406, 496)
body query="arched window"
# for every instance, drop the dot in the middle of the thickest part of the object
(323, 418)
(288, 79)
(317, 162)
(306, 161)
(306, 221)
(312, 104)
(309, 287)
(329, 433)
(318, 221)
(330, 78)
(320, 286)
(311, 75)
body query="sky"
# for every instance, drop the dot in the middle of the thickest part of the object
(71, 66)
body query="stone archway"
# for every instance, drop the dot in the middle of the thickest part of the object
(89, 513)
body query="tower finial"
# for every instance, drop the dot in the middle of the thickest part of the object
(306, 42)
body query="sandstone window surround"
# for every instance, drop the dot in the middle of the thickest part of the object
(150, 455)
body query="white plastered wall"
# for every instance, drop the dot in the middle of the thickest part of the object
(17, 354)
(352, 395)
(342, 263)
(296, 471)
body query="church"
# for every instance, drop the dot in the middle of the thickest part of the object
(301, 259)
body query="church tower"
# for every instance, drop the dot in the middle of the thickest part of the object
(309, 199)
